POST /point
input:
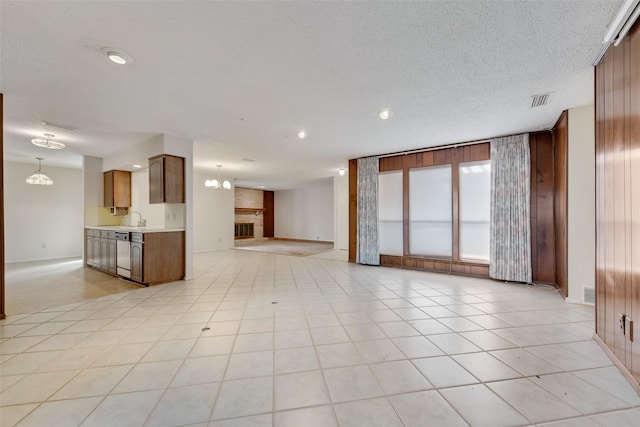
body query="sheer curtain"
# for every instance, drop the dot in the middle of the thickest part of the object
(368, 251)
(510, 240)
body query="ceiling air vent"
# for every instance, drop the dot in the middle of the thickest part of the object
(540, 100)
(59, 126)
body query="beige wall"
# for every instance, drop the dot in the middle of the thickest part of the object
(581, 202)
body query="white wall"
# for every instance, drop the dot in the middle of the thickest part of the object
(581, 202)
(341, 212)
(305, 213)
(153, 213)
(213, 215)
(37, 216)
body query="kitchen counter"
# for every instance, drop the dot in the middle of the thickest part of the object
(147, 255)
(147, 229)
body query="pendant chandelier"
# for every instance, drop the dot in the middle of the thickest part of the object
(38, 177)
(218, 183)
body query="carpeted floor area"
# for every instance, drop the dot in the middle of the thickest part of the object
(288, 247)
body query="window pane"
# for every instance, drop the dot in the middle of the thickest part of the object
(475, 194)
(430, 211)
(390, 213)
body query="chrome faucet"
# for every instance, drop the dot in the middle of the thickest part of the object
(142, 222)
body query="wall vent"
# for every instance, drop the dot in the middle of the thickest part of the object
(540, 100)
(588, 295)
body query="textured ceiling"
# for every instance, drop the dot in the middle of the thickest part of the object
(241, 78)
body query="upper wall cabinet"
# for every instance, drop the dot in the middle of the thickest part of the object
(117, 189)
(166, 179)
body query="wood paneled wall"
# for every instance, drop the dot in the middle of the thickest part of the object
(617, 92)
(560, 201)
(2, 304)
(268, 198)
(353, 208)
(452, 156)
(543, 264)
(543, 241)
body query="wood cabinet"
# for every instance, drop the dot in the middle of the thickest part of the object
(92, 248)
(108, 251)
(101, 250)
(136, 258)
(157, 257)
(166, 179)
(117, 189)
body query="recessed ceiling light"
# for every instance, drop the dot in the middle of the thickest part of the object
(302, 134)
(137, 166)
(384, 114)
(117, 56)
(341, 172)
(47, 142)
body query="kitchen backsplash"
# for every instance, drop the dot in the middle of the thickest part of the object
(100, 216)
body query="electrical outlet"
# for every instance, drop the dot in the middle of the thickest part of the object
(622, 323)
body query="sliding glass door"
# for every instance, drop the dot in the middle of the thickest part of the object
(390, 232)
(430, 211)
(474, 210)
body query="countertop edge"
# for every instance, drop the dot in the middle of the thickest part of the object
(132, 229)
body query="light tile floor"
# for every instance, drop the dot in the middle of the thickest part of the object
(38, 285)
(270, 340)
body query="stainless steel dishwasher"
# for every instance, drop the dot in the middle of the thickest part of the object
(123, 254)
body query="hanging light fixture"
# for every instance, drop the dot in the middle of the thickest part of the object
(47, 143)
(38, 177)
(218, 183)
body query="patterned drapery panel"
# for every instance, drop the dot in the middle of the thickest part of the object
(368, 251)
(510, 241)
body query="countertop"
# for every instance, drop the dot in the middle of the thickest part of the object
(147, 229)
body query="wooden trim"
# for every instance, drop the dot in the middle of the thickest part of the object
(353, 209)
(461, 268)
(560, 201)
(3, 314)
(635, 384)
(250, 209)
